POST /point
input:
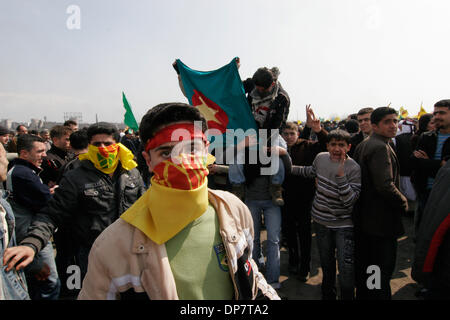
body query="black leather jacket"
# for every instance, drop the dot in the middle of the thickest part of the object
(87, 200)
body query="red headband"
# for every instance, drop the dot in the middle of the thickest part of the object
(189, 131)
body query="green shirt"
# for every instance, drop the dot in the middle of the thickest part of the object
(198, 260)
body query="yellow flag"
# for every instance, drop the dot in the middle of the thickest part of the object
(403, 113)
(421, 112)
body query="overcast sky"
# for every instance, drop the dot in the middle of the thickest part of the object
(339, 56)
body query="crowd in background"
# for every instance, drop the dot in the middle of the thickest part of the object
(349, 181)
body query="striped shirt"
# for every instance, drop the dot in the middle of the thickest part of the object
(335, 196)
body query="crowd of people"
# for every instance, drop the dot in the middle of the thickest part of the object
(138, 216)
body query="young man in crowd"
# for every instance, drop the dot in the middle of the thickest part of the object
(377, 219)
(88, 199)
(299, 193)
(12, 145)
(57, 156)
(79, 144)
(72, 124)
(180, 240)
(338, 186)
(433, 147)
(269, 104)
(29, 195)
(365, 127)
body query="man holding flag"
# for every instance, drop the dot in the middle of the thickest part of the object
(220, 97)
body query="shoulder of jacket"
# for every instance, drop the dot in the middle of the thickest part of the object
(21, 170)
(234, 206)
(117, 235)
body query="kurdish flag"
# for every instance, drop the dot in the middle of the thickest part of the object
(219, 95)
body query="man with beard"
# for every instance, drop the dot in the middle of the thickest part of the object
(433, 148)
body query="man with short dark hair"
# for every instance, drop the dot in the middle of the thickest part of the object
(377, 219)
(57, 156)
(365, 128)
(12, 146)
(89, 198)
(79, 144)
(431, 154)
(28, 196)
(72, 124)
(180, 240)
(21, 129)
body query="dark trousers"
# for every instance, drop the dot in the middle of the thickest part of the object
(298, 229)
(422, 198)
(336, 245)
(374, 251)
(64, 256)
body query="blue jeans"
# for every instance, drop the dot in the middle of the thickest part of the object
(340, 244)
(272, 221)
(47, 289)
(236, 174)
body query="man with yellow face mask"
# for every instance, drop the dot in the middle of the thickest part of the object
(89, 199)
(180, 240)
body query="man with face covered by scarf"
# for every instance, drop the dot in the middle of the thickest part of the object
(180, 240)
(89, 198)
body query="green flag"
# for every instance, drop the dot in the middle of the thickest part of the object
(129, 120)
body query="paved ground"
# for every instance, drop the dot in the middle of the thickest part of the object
(403, 287)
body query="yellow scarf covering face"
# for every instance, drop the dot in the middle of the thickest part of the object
(107, 158)
(178, 195)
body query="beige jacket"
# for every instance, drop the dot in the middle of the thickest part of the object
(124, 259)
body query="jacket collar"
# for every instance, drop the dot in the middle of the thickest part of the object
(25, 163)
(379, 137)
(59, 152)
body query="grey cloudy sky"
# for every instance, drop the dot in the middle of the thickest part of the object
(338, 56)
